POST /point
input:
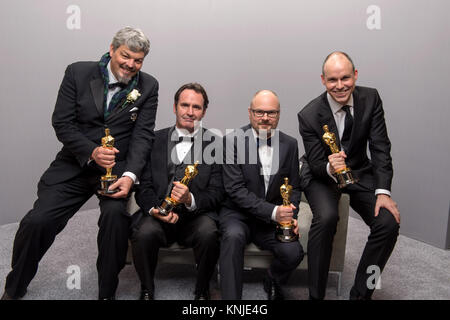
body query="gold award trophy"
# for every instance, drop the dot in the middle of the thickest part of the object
(108, 179)
(168, 204)
(344, 176)
(285, 230)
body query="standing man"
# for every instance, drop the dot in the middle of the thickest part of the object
(93, 96)
(253, 172)
(355, 115)
(192, 223)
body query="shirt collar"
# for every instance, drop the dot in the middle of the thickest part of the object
(335, 107)
(185, 133)
(112, 78)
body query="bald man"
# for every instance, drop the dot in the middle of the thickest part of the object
(258, 158)
(355, 115)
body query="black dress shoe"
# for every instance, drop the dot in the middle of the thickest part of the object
(354, 295)
(6, 296)
(202, 295)
(146, 295)
(273, 289)
(107, 298)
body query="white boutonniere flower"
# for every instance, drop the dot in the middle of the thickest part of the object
(133, 96)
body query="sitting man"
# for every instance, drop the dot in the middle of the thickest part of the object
(192, 223)
(253, 173)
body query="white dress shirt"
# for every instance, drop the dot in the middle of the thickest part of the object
(109, 95)
(265, 157)
(182, 148)
(339, 118)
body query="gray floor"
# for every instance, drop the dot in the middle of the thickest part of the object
(415, 271)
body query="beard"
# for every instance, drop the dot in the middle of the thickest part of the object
(123, 79)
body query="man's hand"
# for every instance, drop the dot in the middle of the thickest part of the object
(384, 201)
(295, 223)
(170, 218)
(124, 185)
(181, 194)
(337, 161)
(285, 213)
(104, 157)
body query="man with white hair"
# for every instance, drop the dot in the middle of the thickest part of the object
(111, 93)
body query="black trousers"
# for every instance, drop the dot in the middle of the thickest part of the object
(193, 231)
(237, 231)
(55, 205)
(323, 199)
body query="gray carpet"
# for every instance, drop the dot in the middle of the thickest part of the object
(415, 271)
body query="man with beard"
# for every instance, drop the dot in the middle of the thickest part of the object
(111, 93)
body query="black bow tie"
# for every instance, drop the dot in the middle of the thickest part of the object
(116, 84)
(185, 138)
(262, 142)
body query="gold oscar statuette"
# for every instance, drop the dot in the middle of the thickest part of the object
(285, 230)
(344, 176)
(108, 179)
(168, 204)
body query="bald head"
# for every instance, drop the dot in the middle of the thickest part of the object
(264, 110)
(265, 94)
(337, 57)
(339, 77)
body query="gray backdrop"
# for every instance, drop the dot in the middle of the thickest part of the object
(235, 48)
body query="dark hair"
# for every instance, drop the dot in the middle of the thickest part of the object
(192, 86)
(341, 53)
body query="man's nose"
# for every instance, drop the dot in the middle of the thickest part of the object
(339, 85)
(190, 111)
(130, 64)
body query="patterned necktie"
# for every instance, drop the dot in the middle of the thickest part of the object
(345, 141)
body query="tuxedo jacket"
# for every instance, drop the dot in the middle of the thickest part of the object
(79, 123)
(244, 181)
(155, 183)
(369, 128)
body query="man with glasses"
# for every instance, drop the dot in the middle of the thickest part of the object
(257, 159)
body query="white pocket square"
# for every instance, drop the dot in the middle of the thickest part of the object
(134, 109)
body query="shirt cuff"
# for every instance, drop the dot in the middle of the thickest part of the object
(193, 206)
(382, 191)
(131, 175)
(274, 213)
(329, 173)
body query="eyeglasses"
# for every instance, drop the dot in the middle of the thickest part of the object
(260, 113)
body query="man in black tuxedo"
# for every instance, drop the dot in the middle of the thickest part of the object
(192, 223)
(355, 115)
(253, 172)
(114, 94)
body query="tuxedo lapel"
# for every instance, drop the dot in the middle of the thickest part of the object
(255, 170)
(278, 153)
(326, 118)
(358, 111)
(97, 90)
